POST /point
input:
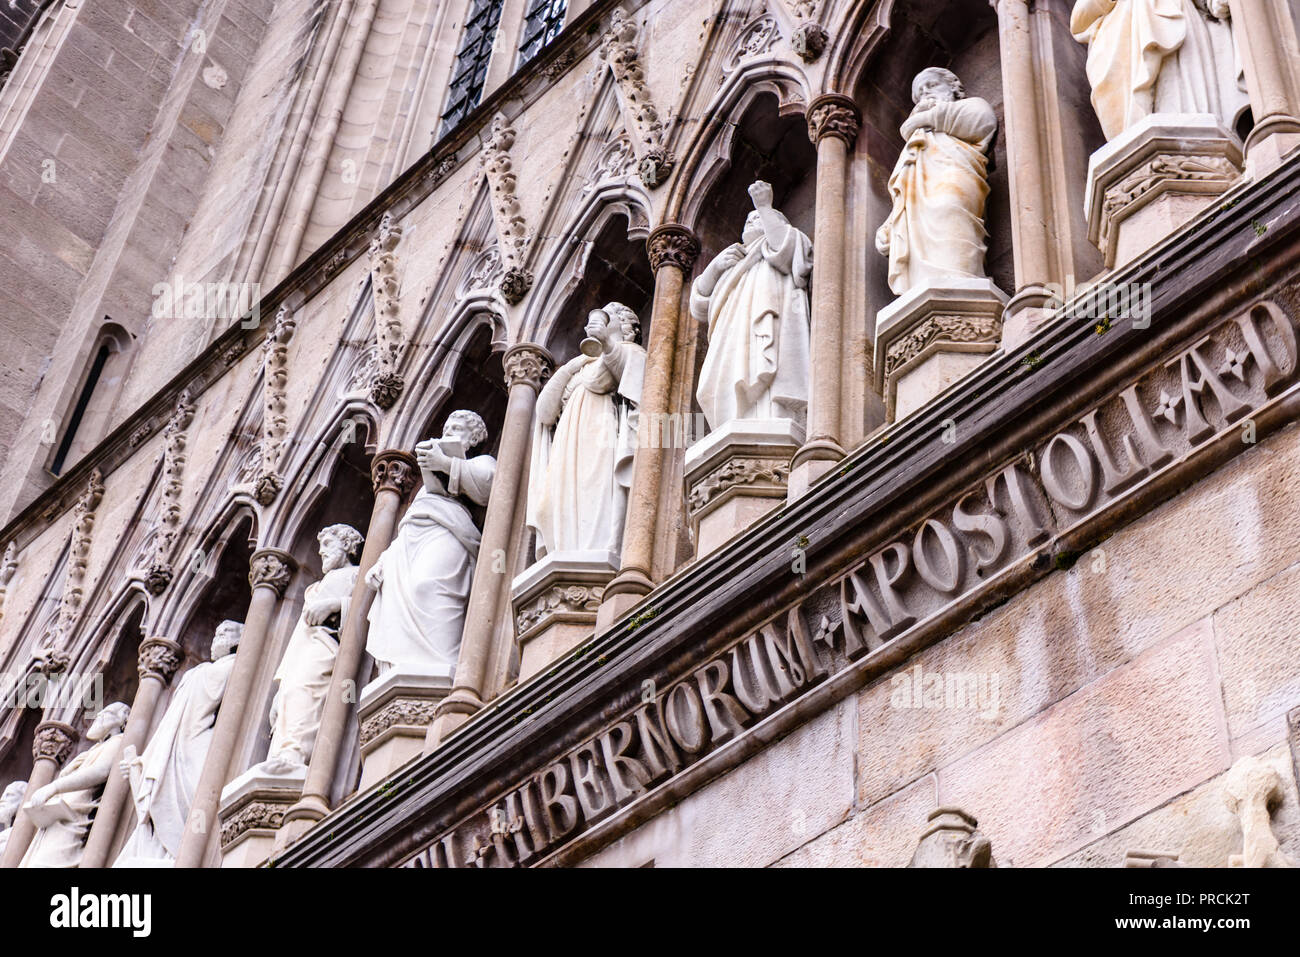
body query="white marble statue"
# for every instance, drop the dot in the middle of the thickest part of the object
(163, 779)
(584, 439)
(1159, 56)
(10, 801)
(935, 231)
(754, 296)
(64, 808)
(308, 663)
(422, 579)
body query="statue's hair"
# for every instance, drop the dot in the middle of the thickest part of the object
(120, 711)
(14, 787)
(959, 90)
(477, 430)
(348, 536)
(218, 642)
(627, 320)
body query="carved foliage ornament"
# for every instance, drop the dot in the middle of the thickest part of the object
(167, 525)
(8, 567)
(275, 418)
(619, 48)
(562, 599)
(412, 712)
(834, 115)
(255, 815)
(159, 658)
(733, 472)
(936, 328)
(1212, 173)
(271, 569)
(672, 245)
(512, 231)
(78, 556)
(393, 471)
(54, 742)
(385, 285)
(526, 365)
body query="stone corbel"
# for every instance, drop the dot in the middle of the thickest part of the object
(810, 37)
(512, 231)
(168, 523)
(618, 47)
(275, 420)
(951, 840)
(385, 284)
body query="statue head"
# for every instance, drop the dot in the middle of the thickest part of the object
(10, 801)
(466, 426)
(623, 321)
(109, 721)
(937, 84)
(226, 639)
(337, 542)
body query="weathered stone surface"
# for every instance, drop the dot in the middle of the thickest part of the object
(883, 835)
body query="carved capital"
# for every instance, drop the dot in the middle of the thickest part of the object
(159, 658)
(527, 364)
(833, 114)
(672, 245)
(395, 471)
(271, 568)
(404, 712)
(54, 741)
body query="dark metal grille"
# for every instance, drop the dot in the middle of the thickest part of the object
(544, 19)
(471, 62)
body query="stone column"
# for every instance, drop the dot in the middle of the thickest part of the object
(833, 123)
(480, 670)
(1031, 205)
(158, 659)
(1267, 40)
(672, 249)
(393, 473)
(270, 570)
(52, 746)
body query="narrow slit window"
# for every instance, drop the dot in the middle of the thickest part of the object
(79, 410)
(471, 63)
(542, 23)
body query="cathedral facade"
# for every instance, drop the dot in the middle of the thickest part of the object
(448, 433)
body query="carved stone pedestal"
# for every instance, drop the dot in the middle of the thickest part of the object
(930, 337)
(1153, 178)
(394, 712)
(555, 603)
(252, 809)
(736, 475)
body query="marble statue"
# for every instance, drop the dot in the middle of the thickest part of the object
(754, 296)
(935, 231)
(63, 809)
(584, 440)
(1159, 56)
(163, 779)
(422, 579)
(308, 663)
(10, 801)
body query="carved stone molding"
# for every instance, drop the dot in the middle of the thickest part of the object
(951, 840)
(255, 815)
(270, 568)
(1168, 172)
(527, 364)
(54, 741)
(735, 472)
(168, 523)
(561, 600)
(78, 556)
(619, 48)
(512, 230)
(833, 114)
(756, 37)
(8, 568)
(515, 283)
(159, 658)
(937, 329)
(407, 712)
(385, 286)
(275, 418)
(672, 245)
(809, 41)
(386, 387)
(395, 471)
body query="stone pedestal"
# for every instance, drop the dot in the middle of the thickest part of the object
(252, 809)
(555, 603)
(1153, 178)
(736, 475)
(930, 337)
(394, 712)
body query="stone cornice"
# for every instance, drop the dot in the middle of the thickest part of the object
(410, 189)
(1007, 406)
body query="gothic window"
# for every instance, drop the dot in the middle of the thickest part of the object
(544, 19)
(471, 62)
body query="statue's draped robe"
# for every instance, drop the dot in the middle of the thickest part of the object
(1157, 56)
(939, 186)
(579, 476)
(757, 362)
(62, 843)
(306, 668)
(419, 611)
(172, 763)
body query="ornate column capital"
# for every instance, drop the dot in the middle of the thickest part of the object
(271, 568)
(54, 741)
(527, 364)
(672, 245)
(394, 470)
(159, 658)
(833, 114)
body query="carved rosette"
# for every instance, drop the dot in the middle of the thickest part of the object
(270, 568)
(159, 658)
(833, 114)
(385, 388)
(527, 364)
(672, 245)
(770, 472)
(515, 283)
(394, 471)
(54, 741)
(568, 600)
(403, 712)
(809, 41)
(940, 329)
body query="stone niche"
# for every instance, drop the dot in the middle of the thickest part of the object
(1155, 177)
(555, 602)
